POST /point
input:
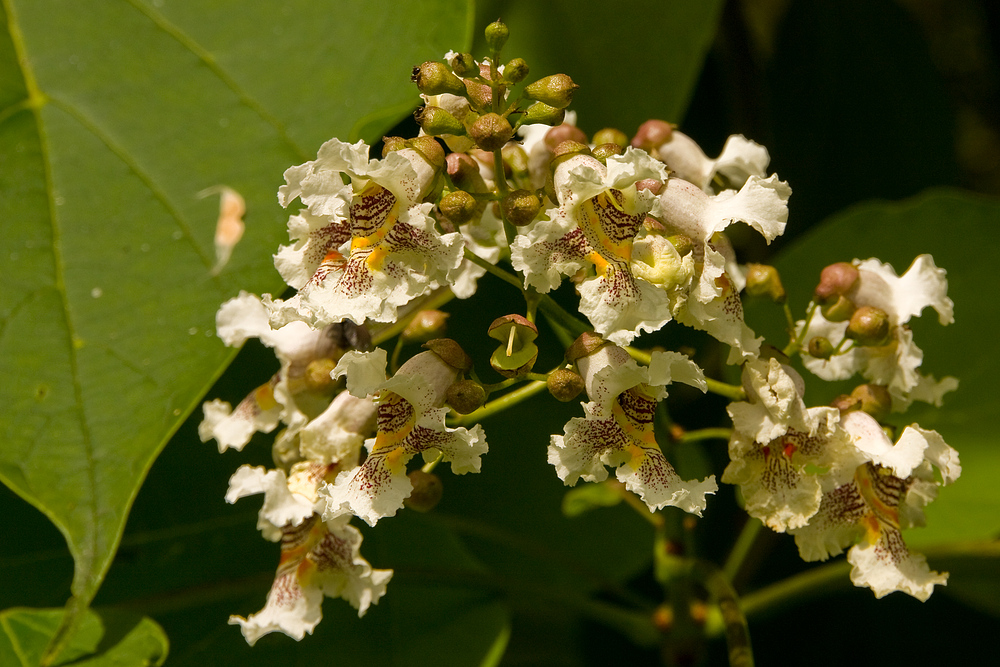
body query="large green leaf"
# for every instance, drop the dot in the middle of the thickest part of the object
(956, 228)
(113, 116)
(113, 639)
(648, 53)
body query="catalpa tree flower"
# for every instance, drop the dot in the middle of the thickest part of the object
(740, 157)
(618, 428)
(318, 558)
(361, 250)
(713, 304)
(410, 420)
(300, 390)
(600, 212)
(885, 496)
(783, 455)
(872, 287)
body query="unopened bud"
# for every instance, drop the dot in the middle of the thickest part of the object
(652, 134)
(836, 280)
(515, 160)
(820, 347)
(763, 280)
(875, 400)
(480, 95)
(555, 90)
(520, 207)
(465, 396)
(459, 207)
(517, 352)
(846, 403)
(610, 135)
(496, 35)
(464, 172)
(434, 78)
(429, 149)
(565, 385)
(564, 132)
(568, 148)
(491, 131)
(604, 151)
(839, 310)
(542, 113)
(869, 326)
(426, 493)
(317, 376)
(392, 144)
(515, 70)
(425, 325)
(465, 65)
(435, 121)
(450, 352)
(585, 345)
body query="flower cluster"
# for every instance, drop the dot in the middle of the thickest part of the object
(502, 181)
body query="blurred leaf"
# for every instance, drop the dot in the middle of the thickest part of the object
(973, 575)
(956, 228)
(113, 116)
(586, 497)
(648, 52)
(117, 639)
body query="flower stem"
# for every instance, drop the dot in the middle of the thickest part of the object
(795, 344)
(495, 270)
(432, 302)
(737, 632)
(503, 403)
(730, 391)
(720, 433)
(744, 544)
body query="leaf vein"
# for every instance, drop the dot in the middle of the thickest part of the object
(16, 645)
(206, 57)
(133, 166)
(83, 559)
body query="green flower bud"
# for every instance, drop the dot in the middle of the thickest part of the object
(763, 280)
(465, 396)
(874, 399)
(496, 35)
(434, 78)
(429, 149)
(435, 121)
(459, 207)
(869, 326)
(425, 325)
(515, 160)
(555, 90)
(585, 345)
(465, 65)
(426, 493)
(515, 70)
(565, 385)
(604, 151)
(491, 131)
(450, 352)
(540, 112)
(392, 144)
(652, 134)
(839, 310)
(520, 207)
(836, 280)
(611, 135)
(820, 347)
(518, 353)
